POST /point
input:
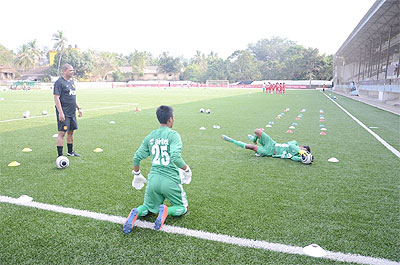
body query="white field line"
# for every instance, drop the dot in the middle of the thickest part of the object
(86, 110)
(276, 247)
(388, 146)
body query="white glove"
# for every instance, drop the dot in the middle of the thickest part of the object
(138, 180)
(185, 175)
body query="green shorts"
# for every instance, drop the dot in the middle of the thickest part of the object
(267, 145)
(160, 188)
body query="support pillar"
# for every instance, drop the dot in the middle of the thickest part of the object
(387, 54)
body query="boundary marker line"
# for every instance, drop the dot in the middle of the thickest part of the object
(388, 146)
(258, 244)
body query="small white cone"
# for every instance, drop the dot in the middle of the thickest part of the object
(333, 160)
(268, 125)
(112, 122)
(292, 127)
(26, 149)
(202, 128)
(24, 198)
(324, 129)
(216, 127)
(314, 250)
(55, 135)
(98, 150)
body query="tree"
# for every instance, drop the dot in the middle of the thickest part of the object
(28, 55)
(169, 64)
(103, 64)
(270, 49)
(138, 61)
(81, 61)
(61, 42)
(243, 66)
(7, 56)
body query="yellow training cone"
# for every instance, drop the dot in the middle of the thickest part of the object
(98, 150)
(14, 164)
(27, 149)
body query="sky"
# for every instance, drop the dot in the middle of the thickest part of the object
(180, 27)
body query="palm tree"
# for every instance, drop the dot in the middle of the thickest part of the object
(61, 42)
(24, 57)
(34, 51)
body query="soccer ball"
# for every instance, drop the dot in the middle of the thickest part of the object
(307, 158)
(201, 110)
(62, 162)
(27, 114)
(208, 111)
(44, 112)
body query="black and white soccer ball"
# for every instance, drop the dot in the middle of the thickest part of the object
(201, 110)
(62, 162)
(307, 158)
(208, 111)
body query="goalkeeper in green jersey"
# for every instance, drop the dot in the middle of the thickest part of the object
(269, 147)
(167, 174)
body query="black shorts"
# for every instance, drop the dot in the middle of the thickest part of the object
(70, 124)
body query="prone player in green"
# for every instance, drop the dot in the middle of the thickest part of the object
(269, 147)
(164, 145)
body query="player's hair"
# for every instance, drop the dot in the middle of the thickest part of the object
(65, 67)
(307, 147)
(164, 113)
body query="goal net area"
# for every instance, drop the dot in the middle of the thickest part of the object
(217, 83)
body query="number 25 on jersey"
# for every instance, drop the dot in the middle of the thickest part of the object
(160, 155)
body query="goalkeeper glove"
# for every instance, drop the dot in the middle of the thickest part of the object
(185, 175)
(138, 180)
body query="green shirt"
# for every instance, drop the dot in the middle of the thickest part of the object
(287, 150)
(165, 146)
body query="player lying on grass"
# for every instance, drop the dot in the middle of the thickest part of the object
(271, 148)
(165, 146)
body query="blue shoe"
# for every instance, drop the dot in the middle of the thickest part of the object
(226, 138)
(252, 138)
(162, 215)
(130, 221)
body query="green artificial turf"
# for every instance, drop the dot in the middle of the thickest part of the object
(350, 207)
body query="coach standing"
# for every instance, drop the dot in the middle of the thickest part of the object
(66, 105)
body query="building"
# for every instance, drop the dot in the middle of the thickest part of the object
(7, 73)
(150, 73)
(37, 74)
(370, 55)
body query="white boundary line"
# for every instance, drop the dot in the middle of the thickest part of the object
(276, 247)
(43, 116)
(388, 146)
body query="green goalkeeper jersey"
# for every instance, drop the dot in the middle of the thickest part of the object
(287, 150)
(165, 146)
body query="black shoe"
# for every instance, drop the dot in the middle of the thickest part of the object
(73, 154)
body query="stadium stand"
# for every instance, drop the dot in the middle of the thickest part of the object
(367, 63)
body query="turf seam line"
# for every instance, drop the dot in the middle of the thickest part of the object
(43, 116)
(388, 146)
(276, 247)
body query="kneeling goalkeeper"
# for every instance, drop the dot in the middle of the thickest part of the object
(165, 146)
(269, 147)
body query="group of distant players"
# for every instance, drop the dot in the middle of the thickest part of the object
(278, 88)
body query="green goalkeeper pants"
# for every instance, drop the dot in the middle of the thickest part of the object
(160, 188)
